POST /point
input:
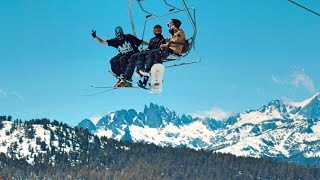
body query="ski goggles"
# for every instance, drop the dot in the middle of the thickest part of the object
(170, 24)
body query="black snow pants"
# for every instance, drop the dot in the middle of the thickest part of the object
(119, 63)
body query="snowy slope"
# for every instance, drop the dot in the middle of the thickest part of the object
(21, 140)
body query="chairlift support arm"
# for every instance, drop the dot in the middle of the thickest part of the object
(131, 17)
(147, 12)
(173, 7)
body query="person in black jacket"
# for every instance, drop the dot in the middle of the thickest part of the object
(139, 59)
(126, 44)
(171, 45)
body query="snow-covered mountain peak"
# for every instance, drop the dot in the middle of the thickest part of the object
(304, 103)
(312, 108)
(282, 109)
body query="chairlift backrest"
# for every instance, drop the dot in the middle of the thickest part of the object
(187, 46)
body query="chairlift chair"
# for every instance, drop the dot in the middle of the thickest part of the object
(189, 44)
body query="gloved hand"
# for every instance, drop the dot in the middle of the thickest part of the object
(93, 34)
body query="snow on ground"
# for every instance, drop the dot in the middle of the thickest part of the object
(4, 139)
(104, 133)
(316, 128)
(26, 147)
(256, 117)
(247, 147)
(172, 134)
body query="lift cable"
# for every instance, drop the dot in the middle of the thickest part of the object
(305, 8)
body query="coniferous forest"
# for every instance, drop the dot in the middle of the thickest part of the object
(91, 157)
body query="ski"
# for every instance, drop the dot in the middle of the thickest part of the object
(102, 87)
(110, 87)
(136, 85)
(107, 88)
(100, 92)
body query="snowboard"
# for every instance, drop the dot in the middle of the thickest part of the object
(156, 82)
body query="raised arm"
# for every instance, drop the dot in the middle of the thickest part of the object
(93, 33)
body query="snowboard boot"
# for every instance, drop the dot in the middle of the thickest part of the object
(144, 81)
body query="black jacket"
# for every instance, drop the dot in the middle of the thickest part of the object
(127, 45)
(155, 42)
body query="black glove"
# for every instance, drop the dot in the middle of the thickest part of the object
(93, 34)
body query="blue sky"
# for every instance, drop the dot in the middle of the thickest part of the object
(252, 52)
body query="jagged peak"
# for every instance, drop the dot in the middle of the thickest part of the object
(155, 107)
(275, 103)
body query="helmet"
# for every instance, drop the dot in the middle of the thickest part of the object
(119, 32)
